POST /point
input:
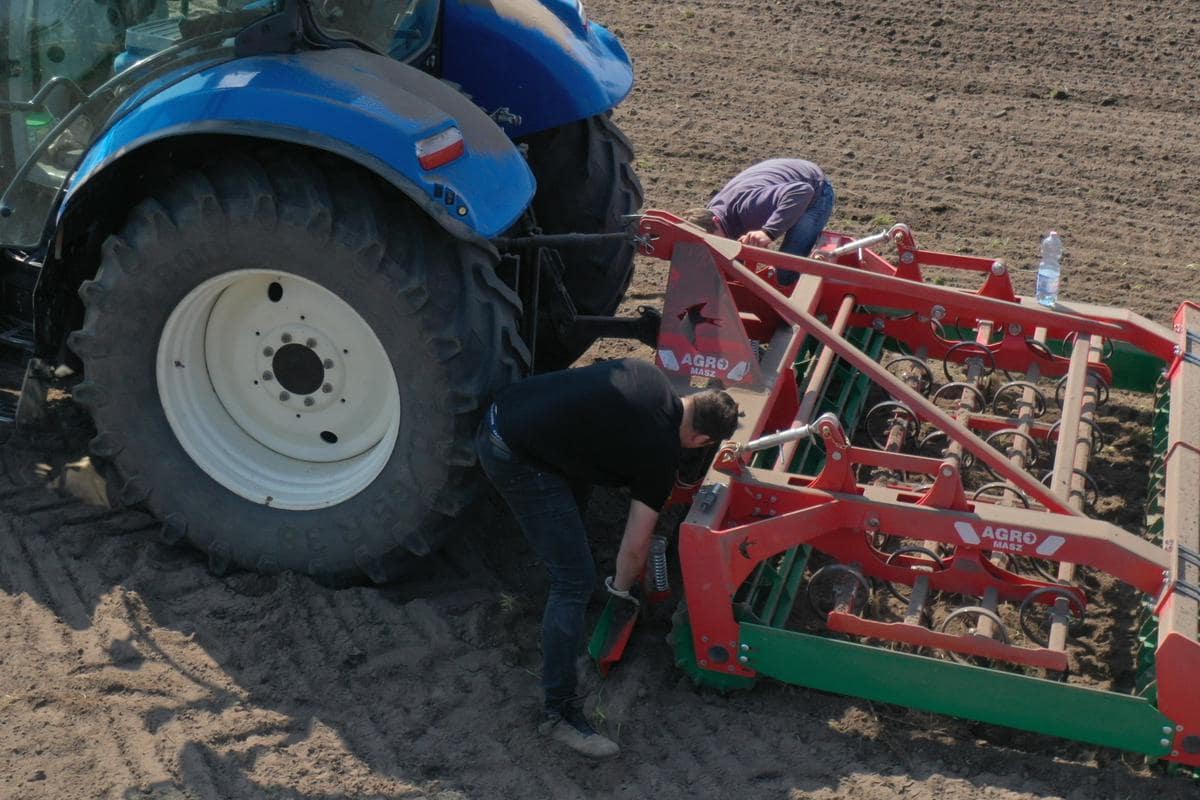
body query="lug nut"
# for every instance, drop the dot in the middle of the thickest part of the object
(308, 401)
(286, 338)
(268, 351)
(284, 396)
(327, 388)
(327, 363)
(310, 343)
(267, 375)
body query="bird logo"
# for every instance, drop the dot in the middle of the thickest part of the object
(693, 317)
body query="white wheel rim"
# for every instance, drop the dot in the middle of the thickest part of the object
(278, 389)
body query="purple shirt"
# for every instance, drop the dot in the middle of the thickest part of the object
(769, 196)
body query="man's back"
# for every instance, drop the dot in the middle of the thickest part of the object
(615, 423)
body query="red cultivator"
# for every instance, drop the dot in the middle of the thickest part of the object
(937, 525)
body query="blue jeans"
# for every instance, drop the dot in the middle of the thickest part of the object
(801, 237)
(546, 507)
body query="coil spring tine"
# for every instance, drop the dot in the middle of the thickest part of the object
(1102, 389)
(845, 572)
(1107, 348)
(980, 613)
(926, 380)
(911, 548)
(1034, 451)
(1004, 486)
(967, 458)
(977, 350)
(1039, 405)
(1090, 485)
(1035, 634)
(901, 415)
(970, 387)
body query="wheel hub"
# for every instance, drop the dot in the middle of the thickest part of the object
(278, 389)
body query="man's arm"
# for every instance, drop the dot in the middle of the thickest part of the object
(635, 545)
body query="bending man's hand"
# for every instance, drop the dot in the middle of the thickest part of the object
(755, 238)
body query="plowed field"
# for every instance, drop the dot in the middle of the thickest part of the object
(127, 670)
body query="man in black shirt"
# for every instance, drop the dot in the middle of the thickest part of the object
(616, 423)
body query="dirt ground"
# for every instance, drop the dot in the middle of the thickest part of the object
(128, 671)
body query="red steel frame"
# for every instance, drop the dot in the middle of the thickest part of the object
(749, 515)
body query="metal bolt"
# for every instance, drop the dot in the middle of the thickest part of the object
(268, 351)
(1174, 752)
(286, 338)
(907, 257)
(947, 471)
(704, 638)
(773, 498)
(1014, 328)
(938, 312)
(267, 375)
(998, 268)
(877, 324)
(310, 343)
(462, 211)
(284, 396)
(757, 510)
(837, 455)
(1179, 729)
(327, 388)
(327, 363)
(729, 668)
(758, 496)
(704, 662)
(1168, 730)
(743, 659)
(1165, 742)
(308, 401)
(1177, 349)
(873, 522)
(745, 648)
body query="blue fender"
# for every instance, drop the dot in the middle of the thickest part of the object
(365, 107)
(543, 60)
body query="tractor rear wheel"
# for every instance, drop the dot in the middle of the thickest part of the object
(286, 364)
(586, 184)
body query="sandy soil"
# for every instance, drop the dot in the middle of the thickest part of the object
(128, 671)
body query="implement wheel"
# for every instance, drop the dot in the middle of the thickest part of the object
(286, 364)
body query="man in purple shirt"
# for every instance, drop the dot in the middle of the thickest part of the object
(785, 197)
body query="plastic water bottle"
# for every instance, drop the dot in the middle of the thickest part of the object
(1050, 269)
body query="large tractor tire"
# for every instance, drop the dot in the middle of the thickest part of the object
(287, 364)
(586, 184)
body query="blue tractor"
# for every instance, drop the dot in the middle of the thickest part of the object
(291, 248)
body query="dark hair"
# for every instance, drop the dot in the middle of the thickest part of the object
(714, 414)
(701, 218)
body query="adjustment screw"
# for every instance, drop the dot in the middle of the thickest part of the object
(327, 388)
(268, 351)
(268, 376)
(310, 343)
(327, 363)
(284, 396)
(308, 401)
(286, 338)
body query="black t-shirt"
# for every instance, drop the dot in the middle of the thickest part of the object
(615, 423)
